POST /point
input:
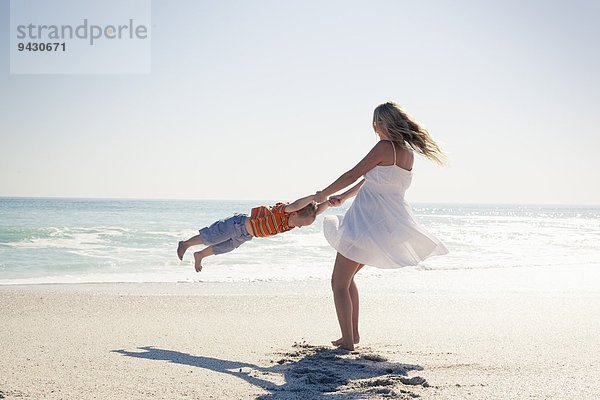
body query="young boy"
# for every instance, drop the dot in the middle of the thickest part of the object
(228, 234)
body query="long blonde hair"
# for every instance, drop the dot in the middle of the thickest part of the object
(401, 128)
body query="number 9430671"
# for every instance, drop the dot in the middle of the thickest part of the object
(34, 46)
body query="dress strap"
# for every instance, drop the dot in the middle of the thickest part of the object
(394, 147)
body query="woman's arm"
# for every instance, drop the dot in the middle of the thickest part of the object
(373, 158)
(336, 201)
(352, 191)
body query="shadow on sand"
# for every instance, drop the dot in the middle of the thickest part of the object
(309, 372)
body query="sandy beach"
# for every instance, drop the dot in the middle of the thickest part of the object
(423, 337)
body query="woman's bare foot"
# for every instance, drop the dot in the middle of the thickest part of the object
(198, 261)
(346, 346)
(181, 248)
(341, 340)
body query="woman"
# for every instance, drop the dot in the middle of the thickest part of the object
(379, 228)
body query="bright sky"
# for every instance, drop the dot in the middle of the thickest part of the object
(274, 99)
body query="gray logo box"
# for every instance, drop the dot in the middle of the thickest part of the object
(80, 36)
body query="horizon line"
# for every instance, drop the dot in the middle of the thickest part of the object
(270, 200)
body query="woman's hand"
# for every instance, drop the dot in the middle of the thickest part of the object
(336, 201)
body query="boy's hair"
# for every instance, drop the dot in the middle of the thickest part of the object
(309, 210)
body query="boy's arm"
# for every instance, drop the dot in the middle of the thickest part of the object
(321, 207)
(299, 204)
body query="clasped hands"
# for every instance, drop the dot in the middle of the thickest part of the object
(334, 201)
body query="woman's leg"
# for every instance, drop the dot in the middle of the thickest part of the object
(355, 306)
(343, 272)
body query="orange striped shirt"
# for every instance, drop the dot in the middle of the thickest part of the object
(269, 221)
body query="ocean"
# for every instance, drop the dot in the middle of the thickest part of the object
(53, 240)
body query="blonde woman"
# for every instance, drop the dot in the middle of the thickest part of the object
(379, 228)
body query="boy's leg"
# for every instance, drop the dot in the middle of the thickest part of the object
(222, 237)
(218, 232)
(219, 248)
(199, 255)
(186, 244)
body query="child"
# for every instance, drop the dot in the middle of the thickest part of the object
(227, 234)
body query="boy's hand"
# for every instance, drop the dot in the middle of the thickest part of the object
(335, 201)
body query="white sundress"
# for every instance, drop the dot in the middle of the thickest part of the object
(379, 229)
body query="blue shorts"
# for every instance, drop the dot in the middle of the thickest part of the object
(226, 234)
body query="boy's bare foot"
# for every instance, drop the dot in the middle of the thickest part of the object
(341, 340)
(198, 261)
(181, 248)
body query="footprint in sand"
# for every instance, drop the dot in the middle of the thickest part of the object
(319, 371)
